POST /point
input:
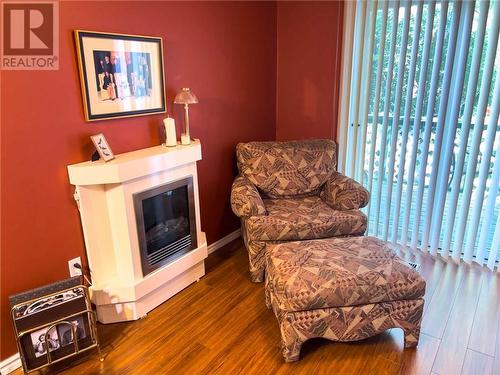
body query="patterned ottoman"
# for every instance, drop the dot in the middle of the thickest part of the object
(342, 289)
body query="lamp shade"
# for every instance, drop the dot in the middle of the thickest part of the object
(186, 96)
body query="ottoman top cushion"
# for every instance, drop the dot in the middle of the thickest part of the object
(338, 272)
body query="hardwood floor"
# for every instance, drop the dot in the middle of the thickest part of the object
(220, 325)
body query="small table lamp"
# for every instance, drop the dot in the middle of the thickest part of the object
(186, 97)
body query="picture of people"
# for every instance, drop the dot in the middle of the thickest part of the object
(66, 331)
(121, 75)
(41, 339)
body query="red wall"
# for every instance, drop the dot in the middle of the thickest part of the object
(309, 57)
(226, 52)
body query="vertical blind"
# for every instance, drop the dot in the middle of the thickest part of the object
(423, 132)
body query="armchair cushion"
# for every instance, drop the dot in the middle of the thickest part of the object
(245, 199)
(302, 219)
(343, 193)
(285, 169)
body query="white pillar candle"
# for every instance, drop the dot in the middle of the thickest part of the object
(170, 136)
(185, 139)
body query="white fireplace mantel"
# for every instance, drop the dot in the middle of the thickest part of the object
(133, 164)
(104, 192)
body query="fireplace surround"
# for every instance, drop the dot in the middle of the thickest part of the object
(142, 202)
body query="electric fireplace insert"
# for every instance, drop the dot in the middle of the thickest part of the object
(166, 224)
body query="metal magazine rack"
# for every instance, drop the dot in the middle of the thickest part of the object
(53, 323)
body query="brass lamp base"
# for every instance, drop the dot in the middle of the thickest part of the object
(185, 139)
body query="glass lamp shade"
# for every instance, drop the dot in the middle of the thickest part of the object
(186, 96)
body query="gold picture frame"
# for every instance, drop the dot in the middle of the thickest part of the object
(121, 75)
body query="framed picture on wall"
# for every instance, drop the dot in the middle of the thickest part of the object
(121, 75)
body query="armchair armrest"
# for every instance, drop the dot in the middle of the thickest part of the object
(245, 199)
(343, 193)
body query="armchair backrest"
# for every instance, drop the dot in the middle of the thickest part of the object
(284, 169)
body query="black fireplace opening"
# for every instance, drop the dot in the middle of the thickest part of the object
(165, 223)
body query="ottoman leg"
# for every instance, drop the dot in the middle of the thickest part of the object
(411, 326)
(291, 352)
(411, 336)
(291, 343)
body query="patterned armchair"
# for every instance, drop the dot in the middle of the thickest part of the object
(290, 191)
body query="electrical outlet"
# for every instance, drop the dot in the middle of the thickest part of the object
(73, 271)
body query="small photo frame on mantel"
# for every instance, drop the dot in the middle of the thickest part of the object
(102, 147)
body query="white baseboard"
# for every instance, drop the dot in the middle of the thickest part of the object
(213, 247)
(10, 364)
(14, 361)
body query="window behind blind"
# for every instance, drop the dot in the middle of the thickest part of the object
(423, 132)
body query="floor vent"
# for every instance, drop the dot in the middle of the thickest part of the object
(414, 265)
